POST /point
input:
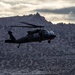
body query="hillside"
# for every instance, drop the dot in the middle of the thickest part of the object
(58, 57)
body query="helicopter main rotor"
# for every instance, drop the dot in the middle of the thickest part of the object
(28, 25)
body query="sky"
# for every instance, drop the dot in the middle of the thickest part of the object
(53, 10)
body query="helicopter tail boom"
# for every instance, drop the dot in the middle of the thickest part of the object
(12, 38)
(9, 41)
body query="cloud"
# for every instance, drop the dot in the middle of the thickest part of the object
(12, 9)
(57, 11)
(5, 8)
(57, 15)
(4, 5)
(70, 16)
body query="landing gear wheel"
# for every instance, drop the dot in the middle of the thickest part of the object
(49, 41)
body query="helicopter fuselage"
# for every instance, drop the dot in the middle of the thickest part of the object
(33, 36)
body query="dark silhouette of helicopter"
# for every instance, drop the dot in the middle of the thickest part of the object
(37, 35)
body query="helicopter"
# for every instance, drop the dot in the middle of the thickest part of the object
(37, 35)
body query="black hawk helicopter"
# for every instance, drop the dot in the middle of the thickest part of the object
(37, 35)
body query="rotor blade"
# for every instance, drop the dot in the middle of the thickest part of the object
(34, 25)
(22, 26)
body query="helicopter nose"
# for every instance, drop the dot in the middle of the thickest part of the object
(53, 36)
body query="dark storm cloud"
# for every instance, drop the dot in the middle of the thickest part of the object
(57, 11)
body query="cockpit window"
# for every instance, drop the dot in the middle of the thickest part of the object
(52, 32)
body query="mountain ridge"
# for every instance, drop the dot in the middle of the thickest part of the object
(42, 56)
